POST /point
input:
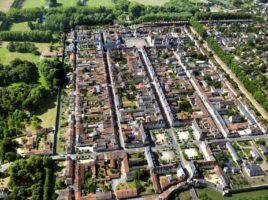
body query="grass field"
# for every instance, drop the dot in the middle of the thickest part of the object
(6, 56)
(152, 2)
(90, 3)
(22, 26)
(98, 3)
(212, 194)
(5, 5)
(185, 195)
(48, 113)
(162, 2)
(34, 3)
(67, 3)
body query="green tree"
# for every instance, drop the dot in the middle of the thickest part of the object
(90, 186)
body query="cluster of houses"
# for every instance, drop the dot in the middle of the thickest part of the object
(231, 114)
(39, 142)
(128, 102)
(246, 43)
(134, 97)
(95, 126)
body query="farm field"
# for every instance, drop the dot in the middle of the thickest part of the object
(152, 2)
(212, 194)
(34, 3)
(22, 26)
(5, 5)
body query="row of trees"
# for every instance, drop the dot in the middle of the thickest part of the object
(26, 14)
(23, 47)
(249, 84)
(198, 27)
(59, 19)
(164, 17)
(221, 15)
(32, 36)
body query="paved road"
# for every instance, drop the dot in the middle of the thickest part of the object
(116, 103)
(90, 155)
(239, 138)
(193, 194)
(241, 86)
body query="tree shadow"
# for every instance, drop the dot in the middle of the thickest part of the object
(47, 103)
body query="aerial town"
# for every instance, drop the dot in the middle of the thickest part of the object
(168, 108)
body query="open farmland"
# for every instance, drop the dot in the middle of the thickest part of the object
(5, 5)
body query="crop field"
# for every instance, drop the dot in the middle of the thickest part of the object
(5, 5)
(34, 3)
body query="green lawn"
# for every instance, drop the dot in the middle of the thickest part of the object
(67, 3)
(6, 57)
(43, 81)
(48, 112)
(152, 2)
(63, 121)
(5, 5)
(198, 1)
(212, 194)
(22, 26)
(185, 195)
(91, 3)
(98, 3)
(34, 3)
